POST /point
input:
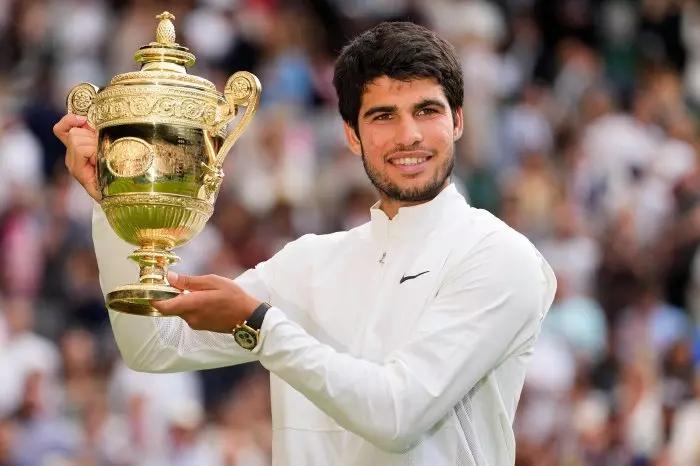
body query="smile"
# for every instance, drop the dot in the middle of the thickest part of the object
(409, 160)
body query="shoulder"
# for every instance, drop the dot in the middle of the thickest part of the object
(474, 231)
(486, 249)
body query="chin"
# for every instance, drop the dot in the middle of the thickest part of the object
(420, 193)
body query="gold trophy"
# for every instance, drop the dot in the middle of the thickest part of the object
(163, 136)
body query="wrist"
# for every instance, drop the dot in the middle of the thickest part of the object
(247, 333)
(249, 307)
(256, 318)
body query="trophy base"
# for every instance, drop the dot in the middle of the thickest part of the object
(136, 299)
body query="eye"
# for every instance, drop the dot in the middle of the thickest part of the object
(427, 111)
(383, 117)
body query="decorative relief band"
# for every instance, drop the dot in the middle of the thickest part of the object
(189, 203)
(179, 106)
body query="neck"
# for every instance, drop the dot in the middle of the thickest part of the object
(391, 206)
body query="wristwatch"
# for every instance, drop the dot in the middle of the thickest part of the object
(248, 333)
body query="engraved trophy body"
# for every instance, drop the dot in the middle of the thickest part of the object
(162, 139)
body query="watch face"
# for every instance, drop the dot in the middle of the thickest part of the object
(245, 338)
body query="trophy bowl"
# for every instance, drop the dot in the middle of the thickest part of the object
(162, 138)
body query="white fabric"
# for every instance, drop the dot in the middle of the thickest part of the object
(684, 448)
(364, 369)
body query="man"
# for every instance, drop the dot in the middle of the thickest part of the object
(403, 341)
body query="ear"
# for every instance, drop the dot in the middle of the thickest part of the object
(458, 124)
(352, 139)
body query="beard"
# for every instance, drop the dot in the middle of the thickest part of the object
(414, 194)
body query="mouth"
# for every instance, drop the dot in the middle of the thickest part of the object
(410, 162)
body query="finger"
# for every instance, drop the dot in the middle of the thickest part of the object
(81, 137)
(64, 125)
(81, 159)
(82, 148)
(81, 152)
(193, 282)
(169, 307)
(82, 141)
(86, 175)
(182, 303)
(92, 189)
(82, 131)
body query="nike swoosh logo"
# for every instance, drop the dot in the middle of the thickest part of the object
(404, 278)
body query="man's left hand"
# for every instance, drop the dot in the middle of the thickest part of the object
(213, 303)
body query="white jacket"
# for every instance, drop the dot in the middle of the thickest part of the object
(399, 342)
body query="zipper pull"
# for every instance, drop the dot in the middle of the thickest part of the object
(381, 260)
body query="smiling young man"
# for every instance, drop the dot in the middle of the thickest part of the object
(401, 342)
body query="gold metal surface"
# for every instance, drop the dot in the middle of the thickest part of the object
(136, 299)
(129, 157)
(156, 219)
(122, 105)
(163, 136)
(165, 32)
(81, 98)
(242, 88)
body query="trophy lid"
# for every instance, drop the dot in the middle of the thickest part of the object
(165, 52)
(164, 60)
(160, 92)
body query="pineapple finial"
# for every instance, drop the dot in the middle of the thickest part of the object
(165, 32)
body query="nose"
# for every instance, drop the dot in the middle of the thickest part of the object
(408, 132)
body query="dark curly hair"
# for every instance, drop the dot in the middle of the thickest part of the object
(399, 50)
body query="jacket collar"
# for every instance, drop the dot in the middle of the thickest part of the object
(413, 220)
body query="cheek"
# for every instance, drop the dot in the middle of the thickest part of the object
(377, 142)
(439, 136)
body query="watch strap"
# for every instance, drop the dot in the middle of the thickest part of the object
(256, 319)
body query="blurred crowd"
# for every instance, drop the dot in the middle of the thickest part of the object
(581, 132)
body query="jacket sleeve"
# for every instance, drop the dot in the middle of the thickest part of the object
(488, 307)
(162, 344)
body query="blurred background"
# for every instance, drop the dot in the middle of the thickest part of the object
(581, 132)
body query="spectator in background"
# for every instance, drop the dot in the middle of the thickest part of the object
(24, 353)
(649, 327)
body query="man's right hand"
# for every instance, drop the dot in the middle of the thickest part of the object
(80, 140)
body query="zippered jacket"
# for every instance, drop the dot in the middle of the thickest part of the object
(399, 342)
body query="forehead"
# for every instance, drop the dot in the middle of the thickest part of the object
(388, 91)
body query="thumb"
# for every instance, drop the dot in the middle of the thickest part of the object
(190, 282)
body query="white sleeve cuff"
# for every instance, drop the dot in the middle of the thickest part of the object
(273, 317)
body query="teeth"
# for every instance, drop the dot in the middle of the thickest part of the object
(409, 160)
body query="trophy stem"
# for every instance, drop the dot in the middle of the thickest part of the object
(153, 264)
(153, 283)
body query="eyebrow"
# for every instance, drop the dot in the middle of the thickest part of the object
(380, 109)
(429, 103)
(393, 108)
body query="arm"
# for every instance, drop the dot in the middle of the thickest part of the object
(161, 344)
(487, 309)
(146, 343)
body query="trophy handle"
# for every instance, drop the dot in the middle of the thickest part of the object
(242, 90)
(80, 99)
